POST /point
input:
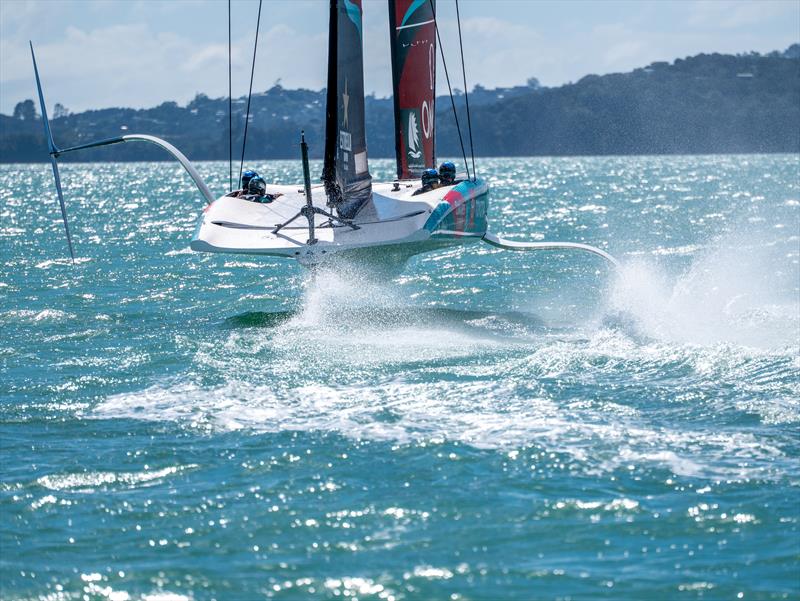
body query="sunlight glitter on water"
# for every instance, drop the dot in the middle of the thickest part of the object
(193, 426)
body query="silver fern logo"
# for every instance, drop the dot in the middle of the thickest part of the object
(414, 150)
(412, 138)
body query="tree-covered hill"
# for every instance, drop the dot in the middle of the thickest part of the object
(710, 103)
(704, 104)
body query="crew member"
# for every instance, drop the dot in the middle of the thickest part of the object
(257, 190)
(447, 173)
(430, 181)
(246, 177)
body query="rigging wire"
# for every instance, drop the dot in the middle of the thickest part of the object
(466, 93)
(449, 89)
(230, 106)
(250, 92)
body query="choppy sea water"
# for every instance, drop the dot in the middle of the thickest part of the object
(488, 425)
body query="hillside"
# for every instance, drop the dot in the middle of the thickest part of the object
(703, 104)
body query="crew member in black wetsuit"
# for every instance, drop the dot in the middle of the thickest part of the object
(246, 177)
(430, 181)
(257, 190)
(447, 173)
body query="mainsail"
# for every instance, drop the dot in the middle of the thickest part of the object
(413, 41)
(348, 183)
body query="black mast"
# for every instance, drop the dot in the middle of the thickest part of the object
(348, 183)
(398, 147)
(332, 189)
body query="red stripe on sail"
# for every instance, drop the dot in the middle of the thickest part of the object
(413, 39)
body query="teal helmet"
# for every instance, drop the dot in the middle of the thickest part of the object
(447, 173)
(430, 177)
(246, 177)
(257, 186)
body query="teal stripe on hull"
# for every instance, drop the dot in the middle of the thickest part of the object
(462, 212)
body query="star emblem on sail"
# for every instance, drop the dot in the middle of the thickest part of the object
(413, 136)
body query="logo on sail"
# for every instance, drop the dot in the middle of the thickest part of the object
(413, 136)
(411, 118)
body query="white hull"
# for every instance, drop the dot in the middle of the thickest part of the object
(394, 218)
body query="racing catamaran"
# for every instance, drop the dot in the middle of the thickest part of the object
(348, 214)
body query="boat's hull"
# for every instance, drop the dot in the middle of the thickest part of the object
(462, 211)
(395, 223)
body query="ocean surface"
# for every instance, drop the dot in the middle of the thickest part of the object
(488, 425)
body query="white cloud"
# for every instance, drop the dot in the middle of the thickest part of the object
(100, 54)
(497, 52)
(731, 14)
(129, 65)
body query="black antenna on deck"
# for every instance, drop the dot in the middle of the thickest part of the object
(308, 210)
(307, 186)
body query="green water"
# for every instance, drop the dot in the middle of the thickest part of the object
(488, 425)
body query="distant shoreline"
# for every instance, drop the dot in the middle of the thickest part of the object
(319, 160)
(706, 104)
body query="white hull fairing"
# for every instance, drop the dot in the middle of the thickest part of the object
(395, 220)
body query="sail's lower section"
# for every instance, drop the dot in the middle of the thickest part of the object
(413, 42)
(346, 172)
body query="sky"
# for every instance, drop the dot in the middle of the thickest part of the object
(139, 53)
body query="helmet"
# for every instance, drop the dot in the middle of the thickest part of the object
(246, 177)
(257, 186)
(447, 172)
(430, 177)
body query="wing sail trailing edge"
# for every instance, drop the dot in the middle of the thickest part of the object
(412, 31)
(348, 183)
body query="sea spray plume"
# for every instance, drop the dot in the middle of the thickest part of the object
(735, 291)
(345, 294)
